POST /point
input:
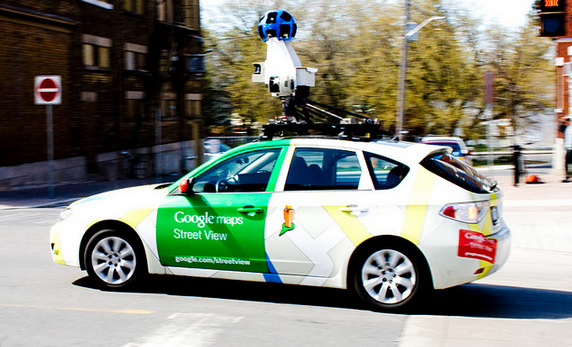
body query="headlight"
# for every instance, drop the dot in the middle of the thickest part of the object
(470, 212)
(65, 214)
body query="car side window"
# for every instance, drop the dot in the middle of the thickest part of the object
(323, 169)
(247, 172)
(385, 173)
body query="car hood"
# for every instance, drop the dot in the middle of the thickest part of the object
(140, 195)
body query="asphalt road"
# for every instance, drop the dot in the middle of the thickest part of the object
(527, 303)
(46, 304)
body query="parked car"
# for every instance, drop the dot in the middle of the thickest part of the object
(388, 220)
(457, 144)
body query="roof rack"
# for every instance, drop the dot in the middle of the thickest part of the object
(354, 132)
(300, 124)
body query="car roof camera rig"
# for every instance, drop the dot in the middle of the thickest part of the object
(287, 79)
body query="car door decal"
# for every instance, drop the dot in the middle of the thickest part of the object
(206, 231)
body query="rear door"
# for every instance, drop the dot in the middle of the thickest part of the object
(321, 211)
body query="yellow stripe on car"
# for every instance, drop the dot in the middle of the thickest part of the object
(417, 206)
(350, 224)
(134, 217)
(56, 247)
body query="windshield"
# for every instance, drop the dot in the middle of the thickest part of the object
(454, 170)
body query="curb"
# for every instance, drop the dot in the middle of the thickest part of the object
(57, 203)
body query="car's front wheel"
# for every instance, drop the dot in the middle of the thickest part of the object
(114, 260)
(388, 278)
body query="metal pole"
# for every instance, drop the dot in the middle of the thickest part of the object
(490, 146)
(51, 166)
(402, 73)
(158, 156)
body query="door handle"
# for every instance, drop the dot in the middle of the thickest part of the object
(354, 209)
(250, 210)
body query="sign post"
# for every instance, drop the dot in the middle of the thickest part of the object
(489, 102)
(48, 91)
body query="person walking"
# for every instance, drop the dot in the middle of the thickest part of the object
(568, 148)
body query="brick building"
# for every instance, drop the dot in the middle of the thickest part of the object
(563, 64)
(131, 74)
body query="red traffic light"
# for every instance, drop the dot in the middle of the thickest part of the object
(552, 17)
(552, 6)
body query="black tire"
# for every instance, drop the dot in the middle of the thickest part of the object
(114, 260)
(388, 278)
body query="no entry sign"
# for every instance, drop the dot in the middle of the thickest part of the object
(48, 90)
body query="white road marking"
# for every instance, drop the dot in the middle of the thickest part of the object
(187, 329)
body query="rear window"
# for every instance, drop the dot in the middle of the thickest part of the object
(454, 170)
(385, 173)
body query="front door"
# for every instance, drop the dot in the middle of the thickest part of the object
(221, 224)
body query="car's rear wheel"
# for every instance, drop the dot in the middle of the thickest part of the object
(388, 278)
(114, 260)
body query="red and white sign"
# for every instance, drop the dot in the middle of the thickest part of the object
(475, 245)
(48, 90)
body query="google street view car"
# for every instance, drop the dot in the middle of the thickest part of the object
(388, 220)
(360, 210)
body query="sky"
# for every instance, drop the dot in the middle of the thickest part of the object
(510, 13)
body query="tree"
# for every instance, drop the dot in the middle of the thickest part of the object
(524, 76)
(356, 47)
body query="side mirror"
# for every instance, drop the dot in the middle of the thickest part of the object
(186, 186)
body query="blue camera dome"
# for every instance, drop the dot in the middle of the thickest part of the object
(277, 23)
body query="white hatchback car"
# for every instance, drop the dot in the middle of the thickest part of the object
(388, 220)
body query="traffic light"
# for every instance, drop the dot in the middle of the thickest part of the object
(552, 15)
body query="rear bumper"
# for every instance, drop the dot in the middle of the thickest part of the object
(503, 239)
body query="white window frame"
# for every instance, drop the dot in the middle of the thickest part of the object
(99, 3)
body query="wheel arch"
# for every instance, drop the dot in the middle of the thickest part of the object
(393, 241)
(116, 225)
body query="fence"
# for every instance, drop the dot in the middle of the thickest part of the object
(531, 157)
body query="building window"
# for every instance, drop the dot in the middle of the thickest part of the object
(193, 104)
(103, 57)
(134, 110)
(194, 107)
(96, 52)
(135, 57)
(162, 10)
(96, 56)
(196, 63)
(169, 107)
(164, 61)
(88, 55)
(135, 6)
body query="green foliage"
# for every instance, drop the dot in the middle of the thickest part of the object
(356, 47)
(524, 74)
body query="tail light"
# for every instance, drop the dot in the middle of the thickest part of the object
(469, 212)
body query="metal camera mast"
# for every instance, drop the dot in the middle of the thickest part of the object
(288, 80)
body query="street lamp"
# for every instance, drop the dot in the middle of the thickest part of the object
(403, 67)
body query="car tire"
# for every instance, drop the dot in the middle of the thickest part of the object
(114, 260)
(388, 278)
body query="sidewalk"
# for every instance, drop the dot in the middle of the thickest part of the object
(66, 193)
(552, 193)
